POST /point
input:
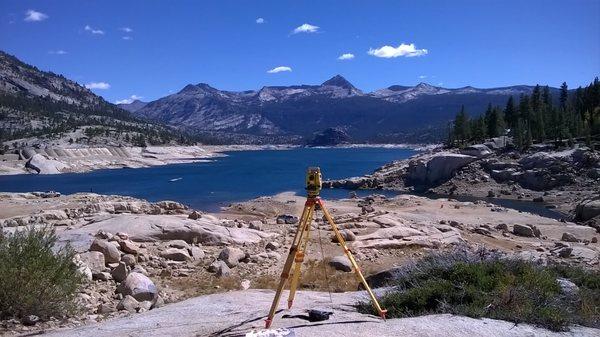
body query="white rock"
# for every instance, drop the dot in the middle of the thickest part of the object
(138, 286)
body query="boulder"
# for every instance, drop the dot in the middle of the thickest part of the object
(176, 254)
(129, 247)
(111, 253)
(587, 209)
(567, 287)
(542, 179)
(129, 260)
(568, 237)
(526, 230)
(256, 225)
(220, 268)
(94, 260)
(195, 215)
(565, 252)
(346, 234)
(85, 271)
(273, 245)
(43, 165)
(440, 167)
(120, 272)
(231, 256)
(503, 175)
(102, 276)
(502, 227)
(138, 286)
(341, 263)
(128, 303)
(477, 150)
(537, 160)
(287, 219)
(106, 308)
(179, 244)
(197, 253)
(171, 206)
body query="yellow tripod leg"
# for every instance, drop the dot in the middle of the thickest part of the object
(289, 261)
(299, 259)
(357, 270)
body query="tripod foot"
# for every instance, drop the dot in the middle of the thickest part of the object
(290, 303)
(268, 322)
(382, 314)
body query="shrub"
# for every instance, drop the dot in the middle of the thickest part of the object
(485, 285)
(34, 279)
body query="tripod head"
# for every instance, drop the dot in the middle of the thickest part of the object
(313, 181)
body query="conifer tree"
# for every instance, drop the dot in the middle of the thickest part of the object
(510, 113)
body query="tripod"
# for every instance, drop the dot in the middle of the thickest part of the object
(298, 249)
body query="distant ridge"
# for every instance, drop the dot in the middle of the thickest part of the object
(304, 109)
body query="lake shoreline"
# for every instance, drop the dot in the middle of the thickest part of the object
(82, 159)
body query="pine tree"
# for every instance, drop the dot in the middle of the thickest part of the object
(548, 113)
(537, 115)
(564, 95)
(510, 113)
(461, 126)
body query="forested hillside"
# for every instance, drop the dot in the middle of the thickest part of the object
(535, 118)
(38, 106)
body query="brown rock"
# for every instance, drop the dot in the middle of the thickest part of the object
(111, 253)
(129, 247)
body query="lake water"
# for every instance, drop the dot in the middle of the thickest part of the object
(207, 186)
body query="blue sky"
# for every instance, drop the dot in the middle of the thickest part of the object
(173, 43)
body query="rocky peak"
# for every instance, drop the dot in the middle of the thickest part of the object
(197, 88)
(339, 81)
(424, 85)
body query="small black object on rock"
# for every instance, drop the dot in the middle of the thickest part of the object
(313, 315)
(318, 315)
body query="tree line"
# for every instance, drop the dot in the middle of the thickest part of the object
(534, 118)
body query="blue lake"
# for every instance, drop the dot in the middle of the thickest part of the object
(207, 186)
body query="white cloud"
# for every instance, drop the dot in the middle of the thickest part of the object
(260, 20)
(127, 38)
(126, 29)
(129, 100)
(406, 50)
(98, 85)
(306, 28)
(33, 16)
(93, 31)
(57, 52)
(346, 56)
(422, 76)
(279, 69)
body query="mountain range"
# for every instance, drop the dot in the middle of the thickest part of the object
(387, 114)
(38, 107)
(40, 104)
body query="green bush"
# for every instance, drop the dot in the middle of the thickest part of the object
(34, 279)
(484, 285)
